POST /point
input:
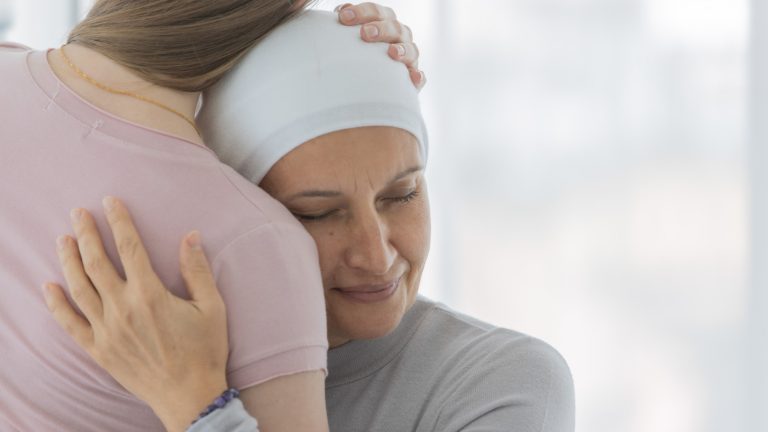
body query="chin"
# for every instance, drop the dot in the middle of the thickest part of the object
(352, 320)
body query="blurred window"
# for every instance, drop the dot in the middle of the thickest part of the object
(5, 17)
(589, 187)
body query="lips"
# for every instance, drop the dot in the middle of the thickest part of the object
(369, 293)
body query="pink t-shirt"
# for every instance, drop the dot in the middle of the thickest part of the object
(57, 152)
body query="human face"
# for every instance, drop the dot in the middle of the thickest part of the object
(362, 196)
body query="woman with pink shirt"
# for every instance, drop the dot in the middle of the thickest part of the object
(112, 112)
(336, 136)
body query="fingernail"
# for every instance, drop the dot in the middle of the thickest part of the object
(338, 8)
(76, 215)
(348, 15)
(61, 242)
(371, 31)
(193, 240)
(108, 203)
(400, 50)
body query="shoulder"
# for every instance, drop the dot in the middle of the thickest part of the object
(248, 220)
(495, 377)
(13, 47)
(251, 195)
(283, 244)
(269, 278)
(12, 55)
(264, 242)
(467, 339)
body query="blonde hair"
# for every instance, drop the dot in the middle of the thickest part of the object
(185, 45)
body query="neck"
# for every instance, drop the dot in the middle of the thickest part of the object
(111, 74)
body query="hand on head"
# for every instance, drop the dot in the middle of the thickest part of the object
(380, 24)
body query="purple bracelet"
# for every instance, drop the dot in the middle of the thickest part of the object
(219, 402)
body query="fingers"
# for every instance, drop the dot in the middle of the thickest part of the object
(93, 257)
(341, 7)
(196, 271)
(67, 318)
(406, 53)
(129, 246)
(83, 293)
(380, 24)
(364, 13)
(386, 31)
(418, 78)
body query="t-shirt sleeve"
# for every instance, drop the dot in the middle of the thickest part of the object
(528, 388)
(270, 281)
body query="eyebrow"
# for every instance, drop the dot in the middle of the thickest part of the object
(316, 193)
(407, 172)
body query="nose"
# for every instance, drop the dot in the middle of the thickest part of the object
(369, 247)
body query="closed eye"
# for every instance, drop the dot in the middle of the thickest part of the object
(405, 198)
(303, 217)
(313, 217)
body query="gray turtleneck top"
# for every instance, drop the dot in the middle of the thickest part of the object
(439, 371)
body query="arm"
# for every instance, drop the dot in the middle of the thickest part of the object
(177, 364)
(527, 387)
(272, 397)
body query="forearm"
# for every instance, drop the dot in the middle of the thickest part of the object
(232, 418)
(291, 403)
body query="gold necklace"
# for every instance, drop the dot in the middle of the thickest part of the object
(88, 78)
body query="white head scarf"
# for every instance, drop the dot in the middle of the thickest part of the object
(309, 77)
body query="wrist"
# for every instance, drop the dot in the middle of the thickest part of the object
(179, 409)
(220, 402)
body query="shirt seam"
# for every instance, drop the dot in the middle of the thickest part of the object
(60, 85)
(269, 224)
(240, 191)
(292, 348)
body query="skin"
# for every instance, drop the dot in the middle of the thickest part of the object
(114, 309)
(139, 358)
(378, 24)
(362, 195)
(382, 24)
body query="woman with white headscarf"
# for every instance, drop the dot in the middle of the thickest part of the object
(334, 133)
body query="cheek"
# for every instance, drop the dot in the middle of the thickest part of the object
(410, 233)
(329, 248)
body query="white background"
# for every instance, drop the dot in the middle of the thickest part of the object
(598, 180)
